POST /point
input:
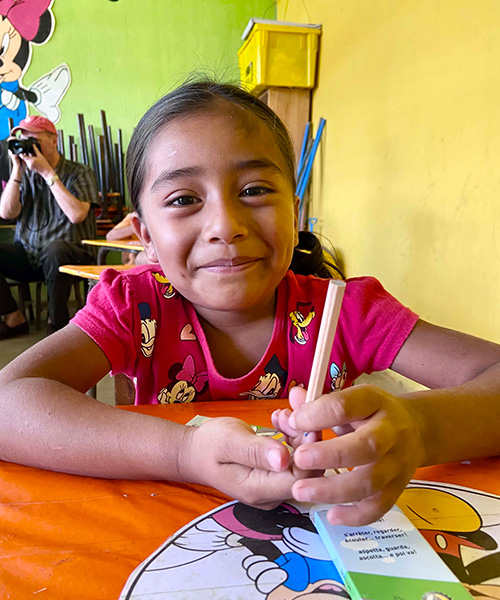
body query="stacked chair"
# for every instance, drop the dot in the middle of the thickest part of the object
(106, 158)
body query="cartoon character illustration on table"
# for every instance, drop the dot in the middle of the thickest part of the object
(241, 552)
(271, 383)
(148, 330)
(23, 24)
(464, 535)
(186, 384)
(338, 376)
(276, 555)
(300, 322)
(167, 289)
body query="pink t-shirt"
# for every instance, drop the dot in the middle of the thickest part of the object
(152, 334)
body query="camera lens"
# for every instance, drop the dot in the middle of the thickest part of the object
(17, 146)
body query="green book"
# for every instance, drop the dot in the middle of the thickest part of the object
(387, 560)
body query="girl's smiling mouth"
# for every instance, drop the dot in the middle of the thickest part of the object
(230, 264)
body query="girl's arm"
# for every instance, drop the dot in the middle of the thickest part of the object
(47, 421)
(384, 438)
(460, 415)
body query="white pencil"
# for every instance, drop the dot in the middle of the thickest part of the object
(327, 330)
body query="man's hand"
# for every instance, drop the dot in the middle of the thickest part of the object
(18, 166)
(38, 163)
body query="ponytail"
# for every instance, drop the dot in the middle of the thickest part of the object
(310, 258)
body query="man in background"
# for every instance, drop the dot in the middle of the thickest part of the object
(52, 199)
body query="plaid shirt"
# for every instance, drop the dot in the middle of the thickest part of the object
(42, 220)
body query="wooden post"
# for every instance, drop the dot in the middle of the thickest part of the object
(293, 107)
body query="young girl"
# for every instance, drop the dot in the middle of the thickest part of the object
(219, 315)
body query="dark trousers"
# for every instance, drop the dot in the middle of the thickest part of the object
(14, 264)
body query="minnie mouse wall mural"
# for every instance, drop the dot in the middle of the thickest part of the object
(22, 24)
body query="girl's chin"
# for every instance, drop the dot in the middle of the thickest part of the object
(225, 302)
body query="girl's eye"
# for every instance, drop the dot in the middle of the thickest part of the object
(256, 191)
(182, 201)
(5, 44)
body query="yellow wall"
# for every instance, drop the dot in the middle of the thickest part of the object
(407, 185)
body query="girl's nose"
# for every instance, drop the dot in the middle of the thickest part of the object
(226, 221)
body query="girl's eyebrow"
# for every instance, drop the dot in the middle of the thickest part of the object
(244, 165)
(258, 163)
(167, 176)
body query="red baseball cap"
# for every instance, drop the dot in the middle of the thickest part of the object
(35, 124)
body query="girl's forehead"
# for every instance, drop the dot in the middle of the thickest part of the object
(216, 130)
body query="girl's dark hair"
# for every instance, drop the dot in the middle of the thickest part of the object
(311, 258)
(198, 96)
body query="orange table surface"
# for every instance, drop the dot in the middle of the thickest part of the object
(129, 243)
(91, 271)
(69, 537)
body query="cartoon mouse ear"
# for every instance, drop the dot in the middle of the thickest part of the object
(144, 310)
(45, 28)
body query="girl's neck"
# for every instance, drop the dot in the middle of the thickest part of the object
(237, 341)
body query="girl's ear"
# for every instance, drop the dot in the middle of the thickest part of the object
(296, 221)
(141, 231)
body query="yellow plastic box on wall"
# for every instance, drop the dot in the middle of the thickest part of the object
(278, 54)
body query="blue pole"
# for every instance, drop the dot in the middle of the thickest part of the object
(305, 139)
(307, 173)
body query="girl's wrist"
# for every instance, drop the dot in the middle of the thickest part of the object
(422, 431)
(186, 465)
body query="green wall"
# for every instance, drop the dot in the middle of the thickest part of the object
(124, 55)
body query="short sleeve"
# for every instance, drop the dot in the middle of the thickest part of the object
(374, 324)
(108, 319)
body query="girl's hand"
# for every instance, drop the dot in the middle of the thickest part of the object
(281, 421)
(226, 454)
(379, 439)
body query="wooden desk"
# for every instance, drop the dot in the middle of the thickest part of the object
(132, 244)
(68, 537)
(91, 271)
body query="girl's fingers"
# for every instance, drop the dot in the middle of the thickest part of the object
(339, 408)
(240, 445)
(259, 488)
(369, 509)
(352, 486)
(297, 397)
(372, 490)
(364, 446)
(280, 420)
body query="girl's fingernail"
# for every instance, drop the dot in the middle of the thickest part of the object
(274, 459)
(291, 421)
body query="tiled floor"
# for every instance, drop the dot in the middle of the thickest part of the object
(11, 348)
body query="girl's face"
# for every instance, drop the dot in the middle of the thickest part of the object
(218, 210)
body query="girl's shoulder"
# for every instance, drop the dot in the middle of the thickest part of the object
(363, 295)
(139, 277)
(311, 284)
(145, 283)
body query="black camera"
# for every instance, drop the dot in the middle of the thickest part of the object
(17, 146)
